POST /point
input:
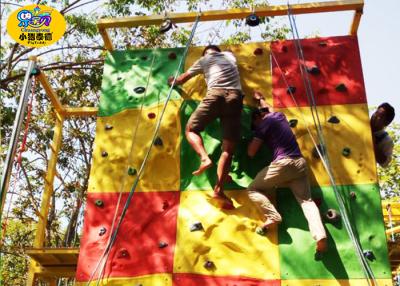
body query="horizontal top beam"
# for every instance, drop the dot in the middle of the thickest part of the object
(238, 13)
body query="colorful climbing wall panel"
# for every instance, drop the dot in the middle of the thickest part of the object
(174, 231)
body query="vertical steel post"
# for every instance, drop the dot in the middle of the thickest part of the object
(26, 89)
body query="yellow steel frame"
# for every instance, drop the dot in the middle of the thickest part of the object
(61, 113)
(229, 14)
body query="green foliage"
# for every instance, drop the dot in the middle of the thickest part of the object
(389, 177)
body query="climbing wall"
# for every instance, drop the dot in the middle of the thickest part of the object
(174, 232)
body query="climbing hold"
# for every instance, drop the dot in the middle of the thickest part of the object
(35, 71)
(353, 195)
(323, 44)
(196, 226)
(165, 205)
(102, 231)
(99, 203)
(293, 122)
(119, 78)
(143, 57)
(332, 216)
(284, 49)
(346, 151)
(252, 20)
(313, 70)
(139, 89)
(208, 264)
(258, 52)
(323, 91)
(131, 98)
(123, 253)
(318, 256)
(151, 115)
(108, 127)
(341, 87)
(132, 171)
(321, 150)
(291, 90)
(333, 119)
(162, 244)
(166, 25)
(158, 142)
(104, 154)
(261, 231)
(172, 56)
(369, 255)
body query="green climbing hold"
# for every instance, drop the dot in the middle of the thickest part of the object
(341, 87)
(132, 171)
(99, 203)
(293, 122)
(35, 71)
(261, 231)
(346, 151)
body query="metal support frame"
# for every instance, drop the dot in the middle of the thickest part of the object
(229, 14)
(19, 118)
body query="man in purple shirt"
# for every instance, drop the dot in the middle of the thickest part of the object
(288, 169)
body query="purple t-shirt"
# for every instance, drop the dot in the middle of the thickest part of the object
(275, 131)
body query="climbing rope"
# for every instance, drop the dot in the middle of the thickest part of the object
(144, 162)
(389, 210)
(134, 135)
(18, 161)
(325, 159)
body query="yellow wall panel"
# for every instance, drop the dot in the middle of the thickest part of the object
(254, 71)
(353, 132)
(163, 167)
(350, 282)
(243, 254)
(153, 280)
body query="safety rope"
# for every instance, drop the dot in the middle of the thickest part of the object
(18, 161)
(389, 210)
(363, 262)
(144, 162)
(134, 135)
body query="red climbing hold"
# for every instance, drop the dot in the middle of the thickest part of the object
(151, 115)
(258, 52)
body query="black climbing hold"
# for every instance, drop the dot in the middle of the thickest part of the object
(369, 255)
(258, 52)
(162, 244)
(332, 216)
(261, 231)
(293, 122)
(119, 78)
(346, 151)
(208, 264)
(291, 90)
(341, 87)
(131, 98)
(353, 195)
(99, 203)
(333, 119)
(322, 44)
(166, 25)
(196, 226)
(102, 231)
(108, 127)
(35, 71)
(158, 142)
(139, 89)
(318, 256)
(104, 154)
(313, 70)
(252, 20)
(172, 56)
(132, 171)
(143, 57)
(321, 150)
